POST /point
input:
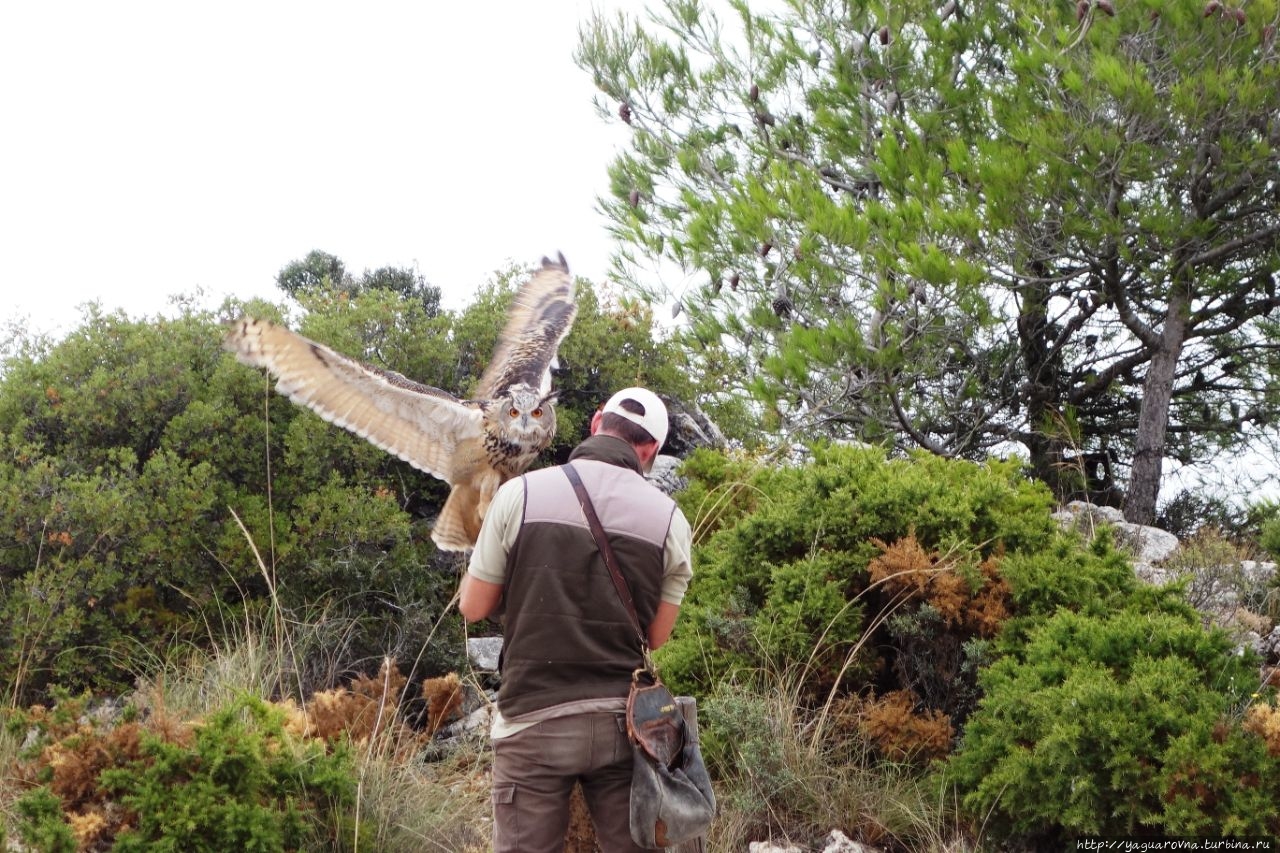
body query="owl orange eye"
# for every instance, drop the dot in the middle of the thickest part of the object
(537, 413)
(513, 412)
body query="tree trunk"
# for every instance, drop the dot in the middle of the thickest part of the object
(1046, 443)
(1153, 416)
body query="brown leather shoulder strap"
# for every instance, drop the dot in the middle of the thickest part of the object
(606, 551)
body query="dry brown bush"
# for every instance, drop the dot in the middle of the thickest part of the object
(367, 711)
(907, 571)
(900, 730)
(1264, 721)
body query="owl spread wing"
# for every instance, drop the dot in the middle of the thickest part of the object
(538, 321)
(419, 424)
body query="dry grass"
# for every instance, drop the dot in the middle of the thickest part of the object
(403, 803)
(790, 787)
(414, 806)
(794, 776)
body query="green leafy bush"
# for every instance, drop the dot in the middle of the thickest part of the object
(241, 784)
(1266, 516)
(908, 599)
(1117, 723)
(783, 560)
(43, 826)
(742, 734)
(1109, 709)
(235, 780)
(136, 455)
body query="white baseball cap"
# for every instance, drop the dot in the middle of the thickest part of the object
(654, 417)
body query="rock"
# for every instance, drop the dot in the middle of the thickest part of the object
(690, 429)
(664, 474)
(1258, 574)
(835, 842)
(105, 713)
(838, 842)
(1082, 510)
(483, 652)
(477, 720)
(1269, 648)
(1149, 545)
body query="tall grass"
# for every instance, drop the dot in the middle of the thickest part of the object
(792, 765)
(792, 774)
(402, 803)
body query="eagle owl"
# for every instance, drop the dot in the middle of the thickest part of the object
(474, 445)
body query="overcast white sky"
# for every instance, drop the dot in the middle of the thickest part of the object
(150, 148)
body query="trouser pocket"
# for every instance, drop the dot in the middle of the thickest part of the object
(506, 825)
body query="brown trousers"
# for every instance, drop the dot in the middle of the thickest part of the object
(533, 775)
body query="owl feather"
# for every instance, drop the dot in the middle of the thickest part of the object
(476, 444)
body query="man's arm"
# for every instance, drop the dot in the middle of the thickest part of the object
(663, 621)
(478, 599)
(677, 571)
(480, 594)
(675, 578)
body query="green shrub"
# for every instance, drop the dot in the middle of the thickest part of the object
(744, 738)
(133, 451)
(242, 784)
(235, 780)
(1063, 574)
(42, 825)
(1116, 723)
(901, 597)
(1269, 539)
(782, 574)
(1188, 514)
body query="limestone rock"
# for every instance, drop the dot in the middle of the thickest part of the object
(838, 842)
(477, 720)
(664, 474)
(835, 842)
(483, 652)
(690, 429)
(1149, 545)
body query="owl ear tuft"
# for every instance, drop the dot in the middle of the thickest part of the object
(551, 399)
(558, 264)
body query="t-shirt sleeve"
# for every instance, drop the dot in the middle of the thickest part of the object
(678, 555)
(498, 533)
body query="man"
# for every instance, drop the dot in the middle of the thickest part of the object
(570, 646)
